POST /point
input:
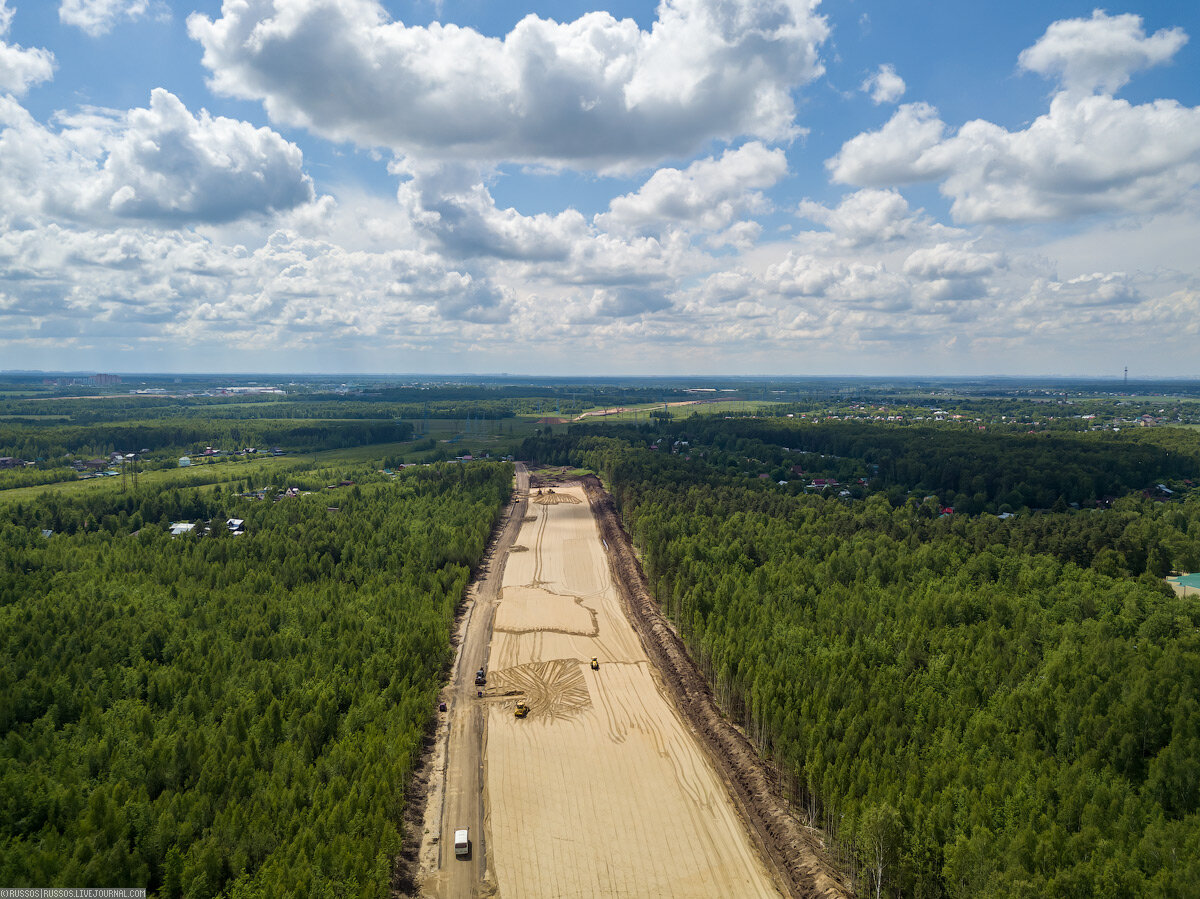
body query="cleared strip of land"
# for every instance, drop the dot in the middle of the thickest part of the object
(602, 790)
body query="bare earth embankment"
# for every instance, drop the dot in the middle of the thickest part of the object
(623, 780)
(794, 851)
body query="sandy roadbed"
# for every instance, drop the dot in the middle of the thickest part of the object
(603, 790)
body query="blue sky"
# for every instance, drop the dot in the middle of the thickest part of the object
(696, 187)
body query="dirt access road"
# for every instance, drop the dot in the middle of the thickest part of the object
(603, 790)
(459, 764)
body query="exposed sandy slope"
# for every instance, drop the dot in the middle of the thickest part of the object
(602, 790)
(795, 852)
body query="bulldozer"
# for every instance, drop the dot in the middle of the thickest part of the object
(521, 709)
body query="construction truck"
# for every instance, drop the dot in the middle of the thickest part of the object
(521, 709)
(480, 678)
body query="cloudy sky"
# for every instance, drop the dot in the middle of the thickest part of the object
(698, 187)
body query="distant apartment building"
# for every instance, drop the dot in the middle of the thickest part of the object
(93, 381)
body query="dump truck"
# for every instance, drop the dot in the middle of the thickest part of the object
(521, 709)
(462, 843)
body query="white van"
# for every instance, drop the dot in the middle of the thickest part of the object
(462, 843)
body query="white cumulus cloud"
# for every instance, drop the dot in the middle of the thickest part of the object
(450, 202)
(20, 67)
(708, 194)
(870, 217)
(596, 92)
(1099, 290)
(1089, 153)
(898, 153)
(1100, 52)
(945, 261)
(159, 164)
(97, 17)
(884, 86)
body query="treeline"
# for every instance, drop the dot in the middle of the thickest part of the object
(976, 468)
(39, 441)
(412, 402)
(965, 709)
(220, 715)
(93, 411)
(1011, 412)
(966, 468)
(33, 477)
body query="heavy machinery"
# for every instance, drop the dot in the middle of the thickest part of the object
(595, 664)
(521, 709)
(480, 678)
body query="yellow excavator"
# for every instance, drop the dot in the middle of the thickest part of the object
(521, 709)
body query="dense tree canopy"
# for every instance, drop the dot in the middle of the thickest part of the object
(970, 707)
(39, 441)
(969, 469)
(226, 714)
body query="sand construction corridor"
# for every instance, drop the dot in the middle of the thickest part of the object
(601, 790)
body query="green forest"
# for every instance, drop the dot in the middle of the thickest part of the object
(962, 657)
(960, 466)
(968, 706)
(40, 440)
(227, 715)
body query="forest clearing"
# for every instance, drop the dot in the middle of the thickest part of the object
(602, 790)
